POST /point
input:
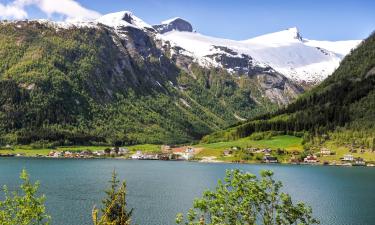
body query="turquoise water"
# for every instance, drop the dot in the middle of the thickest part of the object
(158, 190)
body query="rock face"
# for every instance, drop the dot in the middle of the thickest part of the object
(175, 24)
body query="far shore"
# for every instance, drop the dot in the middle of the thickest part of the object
(203, 161)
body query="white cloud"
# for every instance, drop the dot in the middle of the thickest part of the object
(12, 12)
(70, 9)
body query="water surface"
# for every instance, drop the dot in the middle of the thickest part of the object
(158, 190)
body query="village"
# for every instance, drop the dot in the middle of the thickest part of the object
(166, 153)
(189, 153)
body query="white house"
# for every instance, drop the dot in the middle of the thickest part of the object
(99, 153)
(187, 155)
(325, 151)
(56, 155)
(122, 151)
(137, 155)
(348, 158)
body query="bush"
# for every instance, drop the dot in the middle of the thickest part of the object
(24, 209)
(244, 199)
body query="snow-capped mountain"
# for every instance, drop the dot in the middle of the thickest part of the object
(287, 52)
(279, 64)
(123, 19)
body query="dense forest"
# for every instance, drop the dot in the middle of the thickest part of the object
(341, 108)
(86, 85)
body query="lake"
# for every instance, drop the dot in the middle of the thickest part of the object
(157, 190)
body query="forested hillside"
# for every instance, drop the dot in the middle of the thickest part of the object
(90, 85)
(341, 108)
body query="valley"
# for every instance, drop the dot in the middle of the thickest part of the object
(117, 80)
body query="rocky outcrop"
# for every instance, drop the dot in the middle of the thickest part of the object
(176, 24)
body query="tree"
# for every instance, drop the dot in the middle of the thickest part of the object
(23, 207)
(244, 199)
(114, 211)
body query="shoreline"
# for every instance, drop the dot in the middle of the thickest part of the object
(192, 161)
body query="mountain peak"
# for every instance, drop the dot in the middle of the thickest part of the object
(174, 24)
(284, 37)
(294, 32)
(123, 19)
(171, 20)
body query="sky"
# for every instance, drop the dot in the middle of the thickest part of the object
(232, 19)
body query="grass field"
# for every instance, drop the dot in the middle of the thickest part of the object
(286, 142)
(29, 151)
(145, 148)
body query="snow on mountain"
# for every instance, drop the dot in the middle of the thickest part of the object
(340, 47)
(285, 51)
(123, 19)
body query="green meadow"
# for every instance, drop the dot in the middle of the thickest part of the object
(284, 142)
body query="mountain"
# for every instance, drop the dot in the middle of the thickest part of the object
(287, 52)
(341, 108)
(120, 80)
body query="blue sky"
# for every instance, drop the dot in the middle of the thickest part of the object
(235, 19)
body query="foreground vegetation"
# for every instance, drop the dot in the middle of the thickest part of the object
(24, 206)
(241, 198)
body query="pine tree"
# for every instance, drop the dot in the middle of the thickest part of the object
(114, 211)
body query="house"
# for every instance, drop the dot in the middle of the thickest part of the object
(165, 156)
(54, 154)
(150, 157)
(187, 155)
(325, 151)
(68, 154)
(228, 152)
(359, 162)
(113, 152)
(348, 158)
(252, 149)
(123, 151)
(184, 153)
(311, 159)
(294, 160)
(137, 155)
(166, 148)
(270, 159)
(265, 151)
(86, 153)
(99, 153)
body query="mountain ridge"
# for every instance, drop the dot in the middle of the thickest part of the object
(118, 80)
